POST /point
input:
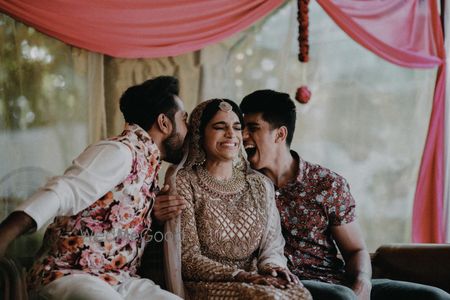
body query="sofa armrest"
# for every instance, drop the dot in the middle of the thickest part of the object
(12, 280)
(422, 263)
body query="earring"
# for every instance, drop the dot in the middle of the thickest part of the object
(201, 158)
(239, 163)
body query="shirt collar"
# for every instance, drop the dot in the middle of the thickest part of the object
(301, 165)
(299, 176)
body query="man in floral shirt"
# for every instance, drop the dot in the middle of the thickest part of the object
(101, 207)
(317, 210)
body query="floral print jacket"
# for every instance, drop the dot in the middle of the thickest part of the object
(106, 239)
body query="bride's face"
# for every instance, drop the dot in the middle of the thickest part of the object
(222, 136)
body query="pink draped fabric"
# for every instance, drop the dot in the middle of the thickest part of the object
(409, 34)
(406, 33)
(139, 28)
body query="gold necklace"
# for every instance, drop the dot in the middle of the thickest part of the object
(233, 185)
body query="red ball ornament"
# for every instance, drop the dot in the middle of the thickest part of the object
(303, 94)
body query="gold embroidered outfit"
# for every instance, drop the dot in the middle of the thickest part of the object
(227, 227)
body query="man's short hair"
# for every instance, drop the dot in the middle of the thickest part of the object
(277, 109)
(141, 104)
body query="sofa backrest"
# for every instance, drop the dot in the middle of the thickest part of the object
(422, 263)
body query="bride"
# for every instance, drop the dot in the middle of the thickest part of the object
(231, 241)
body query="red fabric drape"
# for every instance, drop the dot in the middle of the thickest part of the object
(140, 28)
(409, 34)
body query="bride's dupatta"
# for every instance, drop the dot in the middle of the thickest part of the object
(172, 246)
(172, 228)
(272, 243)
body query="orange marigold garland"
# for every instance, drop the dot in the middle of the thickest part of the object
(303, 23)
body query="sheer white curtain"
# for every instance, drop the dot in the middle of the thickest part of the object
(43, 115)
(367, 119)
(43, 108)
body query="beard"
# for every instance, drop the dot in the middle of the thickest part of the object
(173, 146)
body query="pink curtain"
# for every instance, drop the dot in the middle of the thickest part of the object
(140, 28)
(406, 33)
(409, 34)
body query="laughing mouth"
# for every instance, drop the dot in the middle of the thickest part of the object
(229, 145)
(251, 150)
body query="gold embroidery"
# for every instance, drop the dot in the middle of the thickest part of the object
(222, 234)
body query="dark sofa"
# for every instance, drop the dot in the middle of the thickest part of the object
(422, 263)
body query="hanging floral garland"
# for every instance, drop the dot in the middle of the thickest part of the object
(303, 23)
(303, 94)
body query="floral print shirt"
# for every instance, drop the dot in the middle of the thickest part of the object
(309, 205)
(107, 238)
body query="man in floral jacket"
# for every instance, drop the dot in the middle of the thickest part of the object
(102, 204)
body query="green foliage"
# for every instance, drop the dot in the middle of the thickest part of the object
(38, 86)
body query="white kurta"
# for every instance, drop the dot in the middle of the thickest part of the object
(92, 174)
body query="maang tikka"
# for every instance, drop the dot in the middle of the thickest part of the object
(225, 106)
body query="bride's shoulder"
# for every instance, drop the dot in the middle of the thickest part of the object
(255, 174)
(185, 173)
(259, 177)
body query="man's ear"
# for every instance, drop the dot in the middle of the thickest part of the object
(281, 134)
(164, 124)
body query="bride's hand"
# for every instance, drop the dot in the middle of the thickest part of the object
(281, 272)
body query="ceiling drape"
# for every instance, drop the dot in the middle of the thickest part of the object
(137, 29)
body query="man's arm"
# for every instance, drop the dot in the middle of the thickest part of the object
(98, 169)
(168, 204)
(92, 174)
(351, 244)
(16, 224)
